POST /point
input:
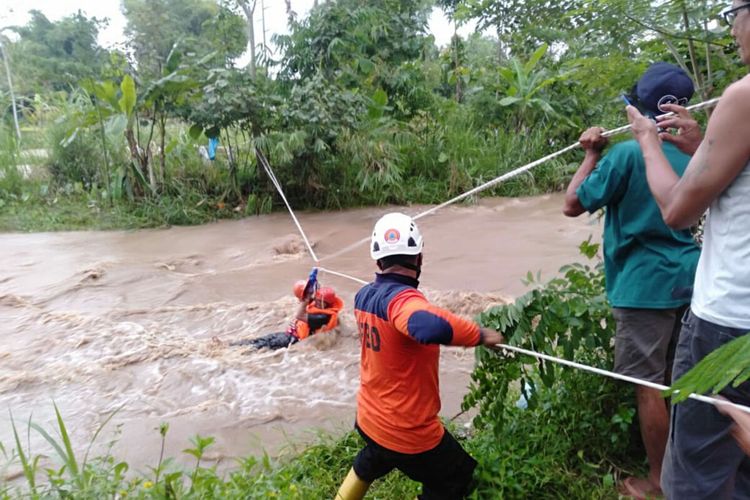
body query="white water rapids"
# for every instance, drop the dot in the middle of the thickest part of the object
(140, 322)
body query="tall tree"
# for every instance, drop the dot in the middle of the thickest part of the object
(248, 7)
(361, 44)
(155, 26)
(55, 55)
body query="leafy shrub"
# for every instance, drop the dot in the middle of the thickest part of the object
(77, 158)
(575, 423)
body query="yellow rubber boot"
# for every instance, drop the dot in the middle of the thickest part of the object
(353, 488)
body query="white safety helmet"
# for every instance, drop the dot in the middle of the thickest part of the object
(395, 234)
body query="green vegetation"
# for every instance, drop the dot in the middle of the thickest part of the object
(574, 438)
(358, 107)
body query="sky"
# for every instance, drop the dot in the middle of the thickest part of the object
(112, 35)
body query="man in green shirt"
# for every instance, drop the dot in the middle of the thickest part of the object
(649, 267)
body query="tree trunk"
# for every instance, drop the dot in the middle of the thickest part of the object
(500, 55)
(249, 9)
(709, 87)
(137, 160)
(146, 155)
(107, 177)
(693, 59)
(162, 153)
(10, 88)
(456, 63)
(263, 27)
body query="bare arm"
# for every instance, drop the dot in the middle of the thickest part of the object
(718, 160)
(301, 313)
(741, 428)
(688, 135)
(490, 337)
(593, 143)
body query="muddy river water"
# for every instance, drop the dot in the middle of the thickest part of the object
(139, 322)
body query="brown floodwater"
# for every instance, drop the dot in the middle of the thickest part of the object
(139, 322)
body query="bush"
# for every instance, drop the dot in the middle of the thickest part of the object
(576, 424)
(11, 180)
(75, 160)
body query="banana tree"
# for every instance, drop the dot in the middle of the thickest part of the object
(162, 98)
(524, 85)
(119, 107)
(113, 112)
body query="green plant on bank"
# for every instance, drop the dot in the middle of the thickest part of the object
(582, 420)
(525, 81)
(76, 209)
(526, 460)
(314, 473)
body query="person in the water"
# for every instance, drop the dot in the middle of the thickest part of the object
(317, 312)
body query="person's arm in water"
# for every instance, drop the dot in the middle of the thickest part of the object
(414, 316)
(301, 313)
(717, 161)
(592, 143)
(299, 327)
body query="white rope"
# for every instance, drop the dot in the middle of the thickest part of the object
(346, 250)
(335, 273)
(694, 107)
(514, 173)
(275, 181)
(544, 159)
(497, 180)
(267, 167)
(606, 373)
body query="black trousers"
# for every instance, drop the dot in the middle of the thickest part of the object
(445, 471)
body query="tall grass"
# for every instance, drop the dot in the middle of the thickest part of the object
(11, 180)
(419, 159)
(545, 452)
(534, 459)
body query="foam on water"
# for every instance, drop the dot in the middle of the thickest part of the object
(141, 322)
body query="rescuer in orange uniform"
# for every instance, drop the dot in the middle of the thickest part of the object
(399, 396)
(318, 311)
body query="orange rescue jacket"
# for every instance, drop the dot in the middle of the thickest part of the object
(401, 333)
(301, 329)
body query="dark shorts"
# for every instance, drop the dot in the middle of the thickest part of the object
(276, 340)
(702, 459)
(645, 342)
(445, 471)
(317, 321)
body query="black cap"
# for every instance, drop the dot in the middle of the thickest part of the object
(663, 83)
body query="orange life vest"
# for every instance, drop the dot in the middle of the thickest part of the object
(301, 329)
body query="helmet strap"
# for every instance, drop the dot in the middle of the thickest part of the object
(414, 267)
(387, 262)
(417, 268)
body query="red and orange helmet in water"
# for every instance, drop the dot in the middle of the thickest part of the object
(299, 288)
(326, 295)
